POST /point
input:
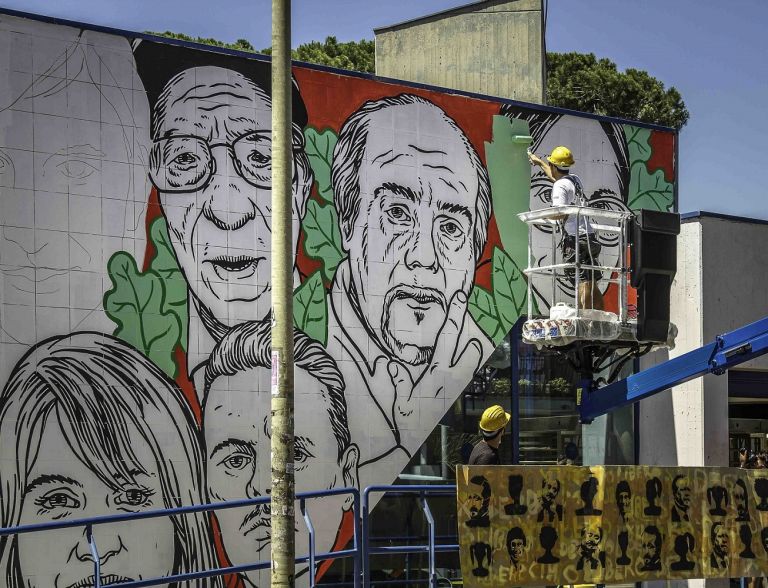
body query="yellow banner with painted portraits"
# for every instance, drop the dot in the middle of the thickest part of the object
(553, 525)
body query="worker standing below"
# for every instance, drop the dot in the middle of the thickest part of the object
(492, 425)
(567, 190)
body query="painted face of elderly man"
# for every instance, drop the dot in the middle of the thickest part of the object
(211, 162)
(413, 202)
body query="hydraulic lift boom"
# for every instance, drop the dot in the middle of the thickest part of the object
(726, 351)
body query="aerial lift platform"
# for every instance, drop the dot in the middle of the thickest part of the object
(637, 250)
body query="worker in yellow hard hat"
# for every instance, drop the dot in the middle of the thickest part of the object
(567, 190)
(492, 425)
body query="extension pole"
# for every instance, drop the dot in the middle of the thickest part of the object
(283, 489)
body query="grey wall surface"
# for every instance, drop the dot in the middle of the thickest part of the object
(493, 48)
(720, 285)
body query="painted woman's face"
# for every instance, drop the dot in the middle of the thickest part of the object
(61, 487)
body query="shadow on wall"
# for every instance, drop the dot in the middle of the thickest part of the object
(658, 438)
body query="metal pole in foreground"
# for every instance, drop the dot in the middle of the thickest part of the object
(283, 489)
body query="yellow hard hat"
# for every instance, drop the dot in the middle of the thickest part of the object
(561, 157)
(493, 419)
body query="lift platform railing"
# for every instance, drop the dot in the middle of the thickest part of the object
(311, 558)
(431, 548)
(613, 225)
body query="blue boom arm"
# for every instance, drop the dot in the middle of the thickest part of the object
(726, 351)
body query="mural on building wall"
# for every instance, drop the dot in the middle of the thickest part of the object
(135, 265)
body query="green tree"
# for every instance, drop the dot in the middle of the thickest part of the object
(240, 44)
(579, 81)
(353, 55)
(582, 82)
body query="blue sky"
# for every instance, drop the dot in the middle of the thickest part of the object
(715, 53)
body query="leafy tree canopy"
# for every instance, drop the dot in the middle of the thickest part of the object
(354, 55)
(240, 44)
(579, 81)
(582, 82)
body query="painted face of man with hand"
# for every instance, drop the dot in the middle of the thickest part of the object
(413, 212)
(211, 162)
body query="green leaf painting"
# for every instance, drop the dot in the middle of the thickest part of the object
(482, 308)
(646, 190)
(323, 239)
(509, 288)
(136, 303)
(150, 308)
(310, 309)
(319, 149)
(497, 311)
(165, 265)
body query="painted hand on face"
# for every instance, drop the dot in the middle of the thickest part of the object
(446, 357)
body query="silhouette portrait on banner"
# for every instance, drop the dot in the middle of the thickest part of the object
(480, 553)
(548, 507)
(718, 559)
(624, 499)
(745, 534)
(741, 501)
(717, 497)
(516, 544)
(588, 493)
(623, 541)
(684, 545)
(761, 489)
(652, 494)
(548, 539)
(478, 503)
(515, 489)
(590, 555)
(651, 545)
(681, 494)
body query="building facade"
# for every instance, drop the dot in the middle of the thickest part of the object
(135, 223)
(718, 288)
(494, 47)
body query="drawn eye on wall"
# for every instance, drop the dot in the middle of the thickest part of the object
(76, 162)
(451, 229)
(398, 214)
(58, 501)
(76, 169)
(302, 453)
(234, 458)
(133, 497)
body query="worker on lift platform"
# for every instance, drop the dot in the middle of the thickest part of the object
(567, 190)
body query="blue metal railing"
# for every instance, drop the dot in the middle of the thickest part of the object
(311, 558)
(360, 551)
(431, 548)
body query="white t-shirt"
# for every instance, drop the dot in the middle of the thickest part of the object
(564, 194)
